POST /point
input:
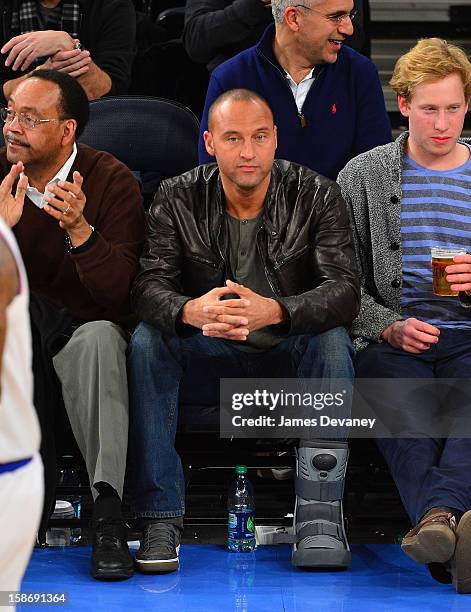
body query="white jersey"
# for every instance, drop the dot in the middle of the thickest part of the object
(19, 428)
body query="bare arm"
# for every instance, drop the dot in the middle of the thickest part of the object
(80, 65)
(95, 81)
(8, 290)
(22, 50)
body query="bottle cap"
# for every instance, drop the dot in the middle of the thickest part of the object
(241, 469)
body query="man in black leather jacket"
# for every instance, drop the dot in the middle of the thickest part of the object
(249, 264)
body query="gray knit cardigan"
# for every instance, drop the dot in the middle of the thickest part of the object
(371, 186)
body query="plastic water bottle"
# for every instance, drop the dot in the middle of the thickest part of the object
(241, 510)
(60, 536)
(69, 477)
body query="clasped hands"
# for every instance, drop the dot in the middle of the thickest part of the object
(232, 318)
(59, 47)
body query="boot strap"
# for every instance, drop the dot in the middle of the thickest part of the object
(319, 491)
(310, 529)
(317, 529)
(314, 512)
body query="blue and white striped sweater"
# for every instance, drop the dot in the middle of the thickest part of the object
(435, 211)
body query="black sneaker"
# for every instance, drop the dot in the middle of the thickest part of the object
(159, 548)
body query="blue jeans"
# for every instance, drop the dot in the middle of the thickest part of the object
(156, 365)
(428, 472)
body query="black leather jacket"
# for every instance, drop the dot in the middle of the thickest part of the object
(304, 241)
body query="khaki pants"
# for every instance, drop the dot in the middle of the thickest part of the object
(92, 370)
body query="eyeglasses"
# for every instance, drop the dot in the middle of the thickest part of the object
(332, 18)
(29, 123)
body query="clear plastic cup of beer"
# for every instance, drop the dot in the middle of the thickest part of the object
(441, 258)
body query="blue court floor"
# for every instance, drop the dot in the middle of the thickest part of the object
(212, 579)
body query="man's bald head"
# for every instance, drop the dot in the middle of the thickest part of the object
(235, 95)
(241, 136)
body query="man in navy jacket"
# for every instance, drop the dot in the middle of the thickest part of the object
(326, 98)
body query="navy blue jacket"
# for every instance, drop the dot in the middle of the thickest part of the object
(344, 112)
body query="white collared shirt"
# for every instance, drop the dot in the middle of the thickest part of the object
(301, 89)
(36, 196)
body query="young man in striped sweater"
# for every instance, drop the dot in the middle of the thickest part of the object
(406, 197)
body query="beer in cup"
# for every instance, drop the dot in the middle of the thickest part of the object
(441, 258)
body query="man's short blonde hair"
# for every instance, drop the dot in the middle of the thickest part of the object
(431, 59)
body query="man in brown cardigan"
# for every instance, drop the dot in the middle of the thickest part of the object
(79, 222)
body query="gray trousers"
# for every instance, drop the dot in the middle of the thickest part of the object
(92, 370)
